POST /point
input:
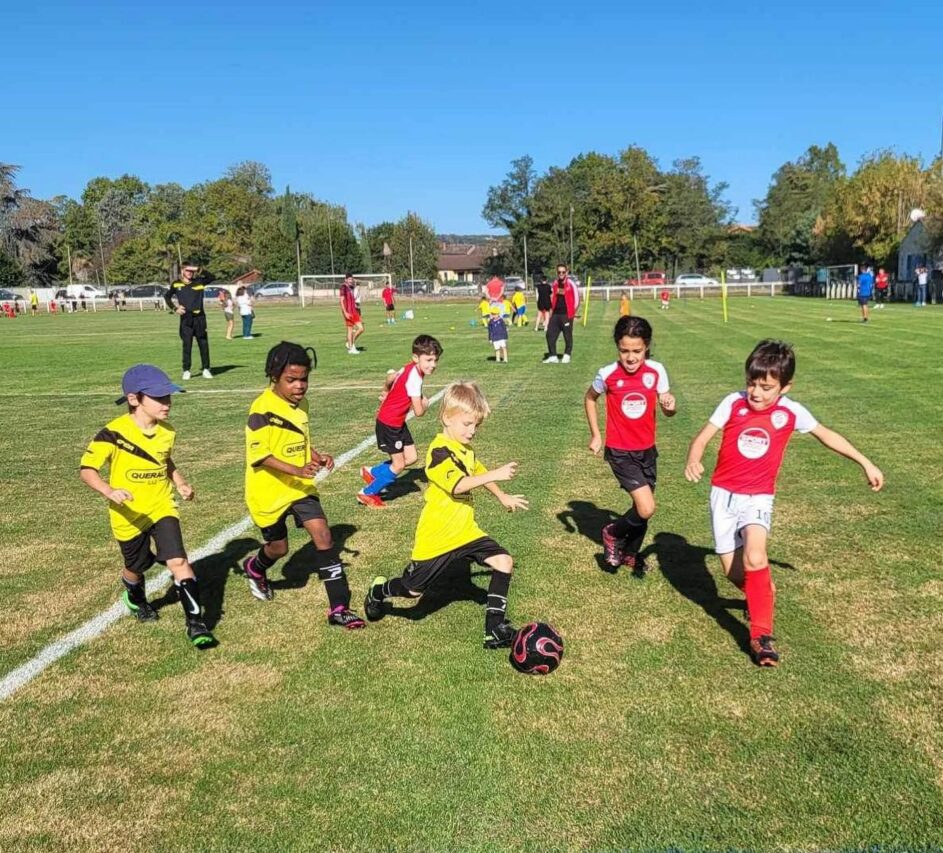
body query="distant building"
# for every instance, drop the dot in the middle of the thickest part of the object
(464, 261)
(914, 251)
(251, 277)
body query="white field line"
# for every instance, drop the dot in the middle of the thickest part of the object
(97, 625)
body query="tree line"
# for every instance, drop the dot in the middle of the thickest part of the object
(599, 209)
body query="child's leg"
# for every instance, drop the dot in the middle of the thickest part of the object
(386, 472)
(502, 565)
(757, 581)
(331, 572)
(633, 526)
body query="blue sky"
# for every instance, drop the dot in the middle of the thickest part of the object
(387, 107)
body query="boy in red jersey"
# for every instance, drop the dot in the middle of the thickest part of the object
(634, 385)
(757, 425)
(665, 299)
(401, 393)
(351, 314)
(389, 292)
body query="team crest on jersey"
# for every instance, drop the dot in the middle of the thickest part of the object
(753, 443)
(619, 383)
(634, 406)
(779, 419)
(742, 413)
(648, 380)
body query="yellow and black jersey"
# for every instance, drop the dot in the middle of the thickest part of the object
(448, 520)
(189, 296)
(278, 429)
(137, 462)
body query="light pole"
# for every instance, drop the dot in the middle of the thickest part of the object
(525, 259)
(571, 238)
(330, 240)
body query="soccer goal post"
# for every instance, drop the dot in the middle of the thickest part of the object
(841, 281)
(369, 286)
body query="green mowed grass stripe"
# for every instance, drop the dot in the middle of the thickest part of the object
(654, 733)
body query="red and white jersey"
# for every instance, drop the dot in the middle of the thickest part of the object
(388, 295)
(753, 444)
(398, 401)
(631, 400)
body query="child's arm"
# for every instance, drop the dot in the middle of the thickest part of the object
(693, 470)
(509, 502)
(841, 445)
(490, 479)
(94, 480)
(322, 460)
(589, 403)
(669, 406)
(184, 489)
(420, 406)
(274, 464)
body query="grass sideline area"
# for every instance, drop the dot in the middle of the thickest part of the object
(655, 733)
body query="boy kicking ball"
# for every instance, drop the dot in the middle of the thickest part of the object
(447, 530)
(757, 424)
(137, 448)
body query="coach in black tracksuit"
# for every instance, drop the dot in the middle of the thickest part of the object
(189, 305)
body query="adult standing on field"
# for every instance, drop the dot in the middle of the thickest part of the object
(351, 314)
(881, 281)
(564, 299)
(188, 293)
(922, 278)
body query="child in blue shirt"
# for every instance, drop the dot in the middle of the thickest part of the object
(498, 334)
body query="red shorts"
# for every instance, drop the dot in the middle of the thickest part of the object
(352, 320)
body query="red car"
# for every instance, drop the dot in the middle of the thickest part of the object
(649, 279)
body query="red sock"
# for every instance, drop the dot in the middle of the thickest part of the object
(758, 588)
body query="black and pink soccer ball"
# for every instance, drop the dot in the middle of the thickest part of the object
(537, 649)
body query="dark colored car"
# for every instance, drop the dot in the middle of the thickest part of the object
(10, 296)
(146, 291)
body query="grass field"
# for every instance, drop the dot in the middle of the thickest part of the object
(656, 732)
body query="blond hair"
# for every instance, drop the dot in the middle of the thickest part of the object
(464, 397)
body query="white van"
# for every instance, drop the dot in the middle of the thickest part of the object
(84, 291)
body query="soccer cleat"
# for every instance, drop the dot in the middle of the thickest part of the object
(258, 582)
(373, 604)
(501, 636)
(344, 617)
(565, 359)
(612, 547)
(761, 648)
(142, 610)
(186, 374)
(371, 500)
(199, 634)
(551, 359)
(636, 563)
(353, 351)
(366, 476)
(206, 373)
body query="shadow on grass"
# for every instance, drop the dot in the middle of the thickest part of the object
(405, 484)
(302, 564)
(225, 368)
(454, 584)
(588, 520)
(211, 572)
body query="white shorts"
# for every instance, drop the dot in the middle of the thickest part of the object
(500, 344)
(731, 512)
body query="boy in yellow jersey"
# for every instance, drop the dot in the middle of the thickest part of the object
(280, 468)
(137, 448)
(484, 310)
(447, 530)
(625, 305)
(519, 304)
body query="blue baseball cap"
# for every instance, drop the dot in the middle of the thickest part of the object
(147, 379)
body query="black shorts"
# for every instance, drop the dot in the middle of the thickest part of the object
(393, 439)
(165, 532)
(391, 307)
(633, 468)
(863, 300)
(422, 573)
(301, 510)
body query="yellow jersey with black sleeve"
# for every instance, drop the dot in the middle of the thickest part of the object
(137, 462)
(447, 520)
(276, 428)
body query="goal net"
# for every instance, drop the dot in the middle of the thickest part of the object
(327, 286)
(841, 281)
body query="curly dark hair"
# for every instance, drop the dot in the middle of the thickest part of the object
(285, 353)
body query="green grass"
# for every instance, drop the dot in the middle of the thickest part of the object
(656, 732)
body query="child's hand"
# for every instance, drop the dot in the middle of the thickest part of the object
(693, 472)
(875, 477)
(309, 470)
(513, 502)
(326, 461)
(119, 496)
(595, 444)
(185, 490)
(505, 472)
(668, 403)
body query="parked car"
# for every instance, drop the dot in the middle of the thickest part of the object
(732, 275)
(212, 291)
(146, 291)
(514, 282)
(10, 296)
(274, 288)
(412, 286)
(459, 290)
(652, 278)
(696, 278)
(746, 274)
(84, 291)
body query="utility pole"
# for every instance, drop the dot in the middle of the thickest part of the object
(571, 238)
(68, 249)
(101, 251)
(525, 259)
(412, 276)
(301, 287)
(638, 269)
(330, 239)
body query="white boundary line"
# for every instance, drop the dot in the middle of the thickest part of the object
(97, 625)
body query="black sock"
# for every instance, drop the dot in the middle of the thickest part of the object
(331, 572)
(395, 588)
(632, 528)
(189, 594)
(135, 590)
(496, 608)
(263, 562)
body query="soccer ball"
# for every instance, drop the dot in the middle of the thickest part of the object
(537, 649)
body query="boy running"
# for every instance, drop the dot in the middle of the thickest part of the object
(757, 425)
(137, 448)
(447, 530)
(865, 289)
(401, 393)
(280, 468)
(634, 386)
(665, 299)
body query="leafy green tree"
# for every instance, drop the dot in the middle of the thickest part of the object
(10, 273)
(377, 236)
(425, 248)
(508, 206)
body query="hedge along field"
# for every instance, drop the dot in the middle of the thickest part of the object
(656, 732)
